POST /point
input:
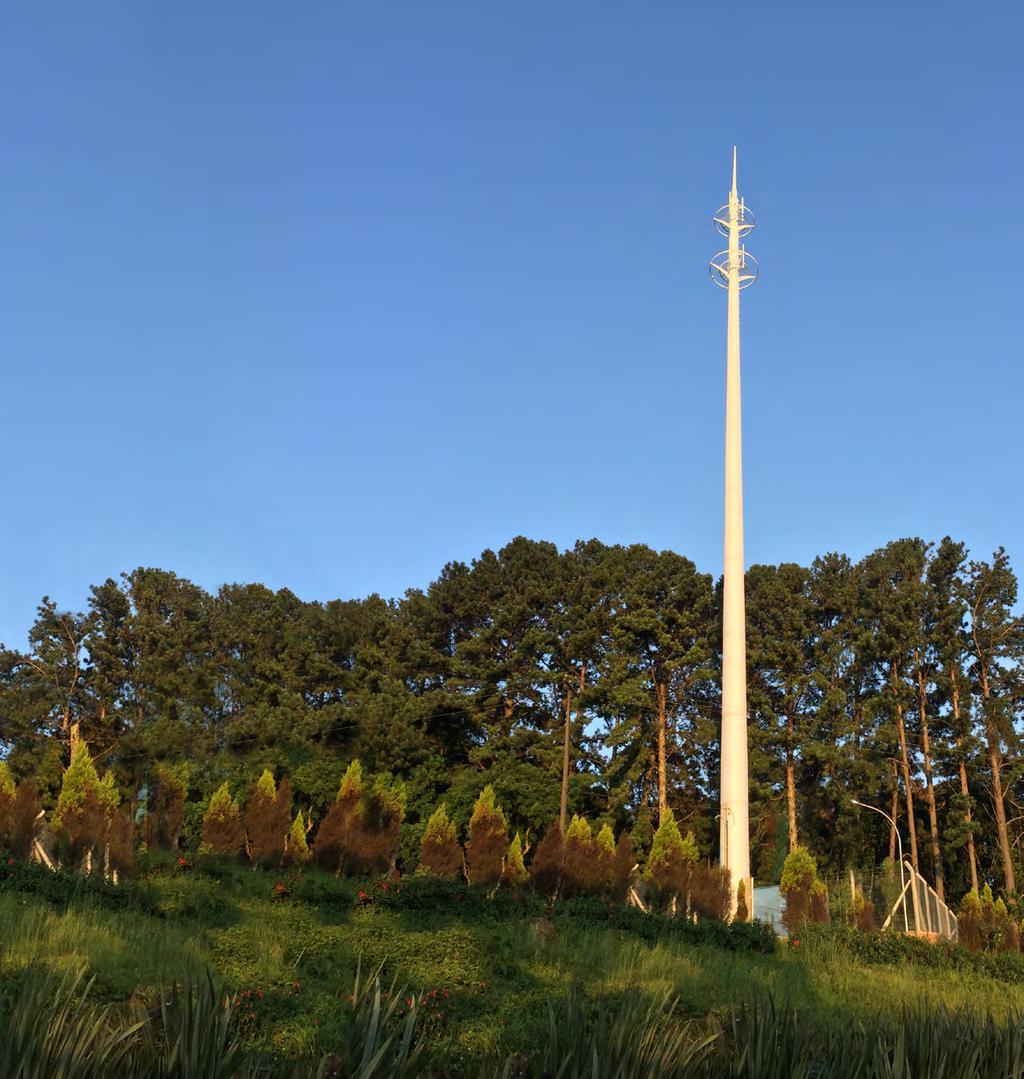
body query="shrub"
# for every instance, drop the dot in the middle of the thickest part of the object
(514, 873)
(440, 852)
(488, 840)
(546, 863)
(378, 831)
(222, 825)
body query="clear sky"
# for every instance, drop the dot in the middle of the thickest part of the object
(326, 294)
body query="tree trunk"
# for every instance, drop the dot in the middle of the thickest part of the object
(964, 789)
(895, 813)
(791, 788)
(662, 778)
(929, 789)
(564, 809)
(994, 751)
(997, 793)
(908, 791)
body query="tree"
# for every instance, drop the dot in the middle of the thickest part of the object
(671, 860)
(170, 790)
(488, 840)
(83, 809)
(996, 646)
(337, 839)
(513, 875)
(297, 851)
(440, 852)
(267, 820)
(659, 659)
(779, 643)
(222, 825)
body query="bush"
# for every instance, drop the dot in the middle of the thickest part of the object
(710, 891)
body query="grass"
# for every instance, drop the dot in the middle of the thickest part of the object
(484, 977)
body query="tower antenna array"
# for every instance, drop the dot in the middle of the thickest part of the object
(734, 269)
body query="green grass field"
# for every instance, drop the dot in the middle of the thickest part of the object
(485, 971)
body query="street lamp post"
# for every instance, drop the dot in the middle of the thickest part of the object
(903, 886)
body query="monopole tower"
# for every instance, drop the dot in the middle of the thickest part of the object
(733, 269)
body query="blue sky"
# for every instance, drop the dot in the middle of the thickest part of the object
(327, 294)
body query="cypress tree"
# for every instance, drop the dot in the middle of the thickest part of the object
(25, 812)
(297, 850)
(170, 790)
(580, 866)
(671, 860)
(7, 793)
(222, 825)
(440, 852)
(267, 818)
(546, 863)
(335, 838)
(514, 873)
(488, 840)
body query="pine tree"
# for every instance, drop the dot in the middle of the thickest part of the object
(440, 852)
(488, 840)
(222, 825)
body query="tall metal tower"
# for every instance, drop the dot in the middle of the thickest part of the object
(733, 269)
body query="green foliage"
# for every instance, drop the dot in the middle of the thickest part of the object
(298, 850)
(440, 852)
(488, 840)
(514, 874)
(6, 781)
(799, 870)
(222, 825)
